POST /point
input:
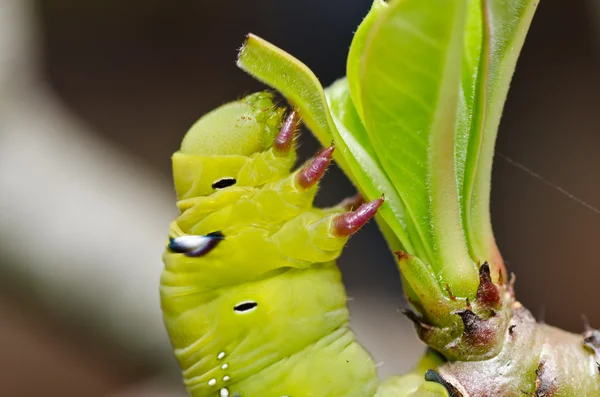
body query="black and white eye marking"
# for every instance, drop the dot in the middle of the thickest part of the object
(245, 307)
(223, 183)
(195, 246)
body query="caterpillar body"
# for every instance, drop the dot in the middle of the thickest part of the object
(252, 298)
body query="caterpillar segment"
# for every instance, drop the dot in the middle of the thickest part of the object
(252, 298)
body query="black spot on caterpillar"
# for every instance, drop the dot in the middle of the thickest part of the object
(245, 307)
(223, 183)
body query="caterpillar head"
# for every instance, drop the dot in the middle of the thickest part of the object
(242, 143)
(242, 128)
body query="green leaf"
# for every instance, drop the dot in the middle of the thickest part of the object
(353, 66)
(369, 175)
(411, 75)
(470, 106)
(506, 23)
(294, 80)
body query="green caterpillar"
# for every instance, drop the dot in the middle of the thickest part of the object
(251, 296)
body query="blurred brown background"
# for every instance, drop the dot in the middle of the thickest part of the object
(106, 89)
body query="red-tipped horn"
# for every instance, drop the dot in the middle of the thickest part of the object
(310, 174)
(348, 223)
(285, 138)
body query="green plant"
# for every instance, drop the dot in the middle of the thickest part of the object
(416, 119)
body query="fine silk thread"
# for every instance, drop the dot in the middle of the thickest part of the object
(551, 184)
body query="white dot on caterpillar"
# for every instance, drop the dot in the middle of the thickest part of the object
(224, 366)
(221, 355)
(212, 382)
(224, 392)
(226, 378)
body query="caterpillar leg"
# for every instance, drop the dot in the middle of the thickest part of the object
(269, 206)
(316, 236)
(295, 193)
(284, 141)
